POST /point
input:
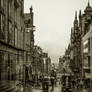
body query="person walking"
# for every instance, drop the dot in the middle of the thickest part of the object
(45, 85)
(73, 83)
(52, 83)
(81, 84)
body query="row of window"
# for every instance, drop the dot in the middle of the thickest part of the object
(11, 34)
(13, 14)
(10, 65)
(86, 46)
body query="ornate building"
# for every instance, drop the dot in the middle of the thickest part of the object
(86, 39)
(76, 47)
(15, 44)
(29, 41)
(81, 44)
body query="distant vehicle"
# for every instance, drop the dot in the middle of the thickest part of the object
(67, 83)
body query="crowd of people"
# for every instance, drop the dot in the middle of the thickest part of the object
(47, 82)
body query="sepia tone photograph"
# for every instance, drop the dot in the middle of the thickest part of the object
(45, 45)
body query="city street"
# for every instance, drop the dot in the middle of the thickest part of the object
(56, 89)
(45, 45)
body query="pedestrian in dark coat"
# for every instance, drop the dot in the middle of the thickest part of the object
(52, 83)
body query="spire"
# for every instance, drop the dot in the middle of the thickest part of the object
(80, 13)
(31, 9)
(80, 16)
(88, 3)
(75, 21)
(88, 8)
(75, 15)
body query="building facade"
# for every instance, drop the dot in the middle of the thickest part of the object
(16, 43)
(29, 42)
(76, 48)
(81, 45)
(86, 39)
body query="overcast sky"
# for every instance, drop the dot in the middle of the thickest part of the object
(53, 20)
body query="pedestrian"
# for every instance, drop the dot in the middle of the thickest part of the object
(73, 83)
(45, 85)
(52, 83)
(81, 84)
(59, 80)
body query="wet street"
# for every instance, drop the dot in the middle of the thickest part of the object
(82, 90)
(56, 89)
(59, 89)
(45, 46)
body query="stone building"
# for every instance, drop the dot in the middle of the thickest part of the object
(29, 40)
(81, 44)
(76, 62)
(12, 45)
(86, 39)
(38, 64)
(60, 64)
(48, 65)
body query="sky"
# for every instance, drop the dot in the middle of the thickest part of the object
(53, 20)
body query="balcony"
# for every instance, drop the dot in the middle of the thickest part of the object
(16, 3)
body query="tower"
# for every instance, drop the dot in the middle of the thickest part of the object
(75, 20)
(80, 22)
(31, 9)
(88, 8)
(31, 14)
